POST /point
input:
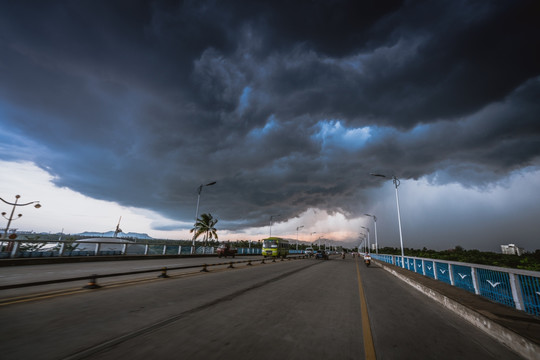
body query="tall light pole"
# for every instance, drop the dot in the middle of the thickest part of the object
(10, 219)
(197, 212)
(298, 228)
(376, 242)
(271, 218)
(363, 237)
(396, 182)
(363, 227)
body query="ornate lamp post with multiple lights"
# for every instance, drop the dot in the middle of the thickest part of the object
(197, 212)
(396, 182)
(10, 219)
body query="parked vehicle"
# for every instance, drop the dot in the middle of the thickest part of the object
(321, 254)
(226, 250)
(309, 251)
(275, 247)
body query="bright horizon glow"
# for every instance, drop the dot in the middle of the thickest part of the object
(463, 212)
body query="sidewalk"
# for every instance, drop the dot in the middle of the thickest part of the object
(516, 329)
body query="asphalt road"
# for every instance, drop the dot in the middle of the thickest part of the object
(301, 309)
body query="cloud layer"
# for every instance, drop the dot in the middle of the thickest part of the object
(287, 105)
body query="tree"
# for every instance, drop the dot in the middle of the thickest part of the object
(205, 225)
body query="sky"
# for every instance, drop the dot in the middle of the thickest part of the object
(124, 108)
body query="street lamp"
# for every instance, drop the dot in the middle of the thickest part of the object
(271, 218)
(376, 242)
(299, 227)
(10, 219)
(363, 227)
(396, 182)
(197, 211)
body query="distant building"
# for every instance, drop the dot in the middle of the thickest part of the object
(512, 249)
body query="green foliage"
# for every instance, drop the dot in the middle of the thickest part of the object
(528, 261)
(205, 225)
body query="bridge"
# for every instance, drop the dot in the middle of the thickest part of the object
(246, 308)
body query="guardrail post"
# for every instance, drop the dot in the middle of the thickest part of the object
(62, 249)
(164, 273)
(516, 291)
(474, 276)
(92, 283)
(98, 246)
(164, 249)
(124, 249)
(146, 248)
(15, 249)
(451, 274)
(179, 249)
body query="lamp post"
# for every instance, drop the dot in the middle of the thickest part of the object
(396, 182)
(363, 237)
(10, 219)
(363, 227)
(375, 222)
(298, 228)
(197, 212)
(271, 218)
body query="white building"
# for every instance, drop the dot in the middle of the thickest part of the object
(512, 249)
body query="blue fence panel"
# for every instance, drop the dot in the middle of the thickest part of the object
(418, 268)
(399, 261)
(385, 258)
(495, 285)
(429, 268)
(443, 272)
(463, 277)
(530, 289)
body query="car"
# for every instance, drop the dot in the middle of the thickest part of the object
(309, 251)
(321, 254)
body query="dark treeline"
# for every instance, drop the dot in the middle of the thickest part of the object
(527, 261)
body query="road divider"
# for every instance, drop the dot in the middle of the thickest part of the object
(92, 279)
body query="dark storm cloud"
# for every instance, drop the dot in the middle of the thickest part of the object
(288, 105)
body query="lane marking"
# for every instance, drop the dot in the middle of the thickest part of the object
(369, 347)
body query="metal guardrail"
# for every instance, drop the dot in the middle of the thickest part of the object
(162, 270)
(120, 247)
(516, 288)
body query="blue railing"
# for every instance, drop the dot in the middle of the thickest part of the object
(516, 288)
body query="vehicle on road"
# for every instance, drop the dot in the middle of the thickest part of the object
(226, 250)
(367, 259)
(309, 251)
(321, 254)
(275, 247)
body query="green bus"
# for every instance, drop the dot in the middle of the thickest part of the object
(275, 247)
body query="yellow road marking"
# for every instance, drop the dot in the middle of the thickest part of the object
(369, 347)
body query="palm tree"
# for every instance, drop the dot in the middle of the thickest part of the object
(205, 225)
